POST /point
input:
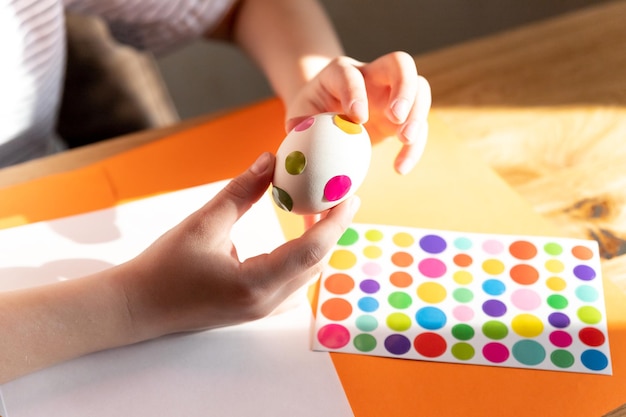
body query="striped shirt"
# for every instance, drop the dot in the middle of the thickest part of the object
(33, 40)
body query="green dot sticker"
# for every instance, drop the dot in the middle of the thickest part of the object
(365, 342)
(400, 300)
(495, 329)
(462, 351)
(349, 237)
(295, 163)
(463, 331)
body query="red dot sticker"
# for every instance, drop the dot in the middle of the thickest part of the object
(591, 336)
(333, 336)
(337, 187)
(523, 250)
(524, 274)
(430, 345)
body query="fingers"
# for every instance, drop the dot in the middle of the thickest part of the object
(298, 259)
(343, 80)
(239, 194)
(411, 153)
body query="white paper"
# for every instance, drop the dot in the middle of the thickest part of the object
(264, 368)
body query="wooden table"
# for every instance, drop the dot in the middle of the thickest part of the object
(544, 104)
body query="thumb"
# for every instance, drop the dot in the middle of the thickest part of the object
(241, 192)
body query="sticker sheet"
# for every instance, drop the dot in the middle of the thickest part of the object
(500, 300)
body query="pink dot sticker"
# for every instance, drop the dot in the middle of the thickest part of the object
(333, 336)
(432, 267)
(337, 187)
(463, 313)
(526, 299)
(305, 124)
(495, 352)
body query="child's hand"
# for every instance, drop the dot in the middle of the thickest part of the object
(191, 278)
(386, 93)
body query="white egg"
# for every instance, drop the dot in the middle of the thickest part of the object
(320, 163)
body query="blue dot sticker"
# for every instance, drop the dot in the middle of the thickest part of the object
(430, 318)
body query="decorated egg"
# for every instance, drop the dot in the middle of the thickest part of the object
(320, 163)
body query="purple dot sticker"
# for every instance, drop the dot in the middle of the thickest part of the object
(397, 344)
(432, 267)
(333, 336)
(495, 352)
(337, 187)
(494, 308)
(584, 272)
(305, 124)
(369, 286)
(433, 244)
(559, 320)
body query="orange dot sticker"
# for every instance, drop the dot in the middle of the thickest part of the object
(462, 260)
(402, 259)
(524, 274)
(336, 309)
(523, 250)
(581, 252)
(401, 279)
(339, 283)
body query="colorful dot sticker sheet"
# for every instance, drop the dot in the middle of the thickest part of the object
(501, 300)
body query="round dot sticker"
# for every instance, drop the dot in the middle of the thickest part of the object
(462, 243)
(553, 249)
(583, 253)
(430, 318)
(523, 250)
(337, 187)
(584, 272)
(348, 126)
(555, 266)
(493, 266)
(364, 342)
(463, 295)
(372, 269)
(589, 315)
(559, 320)
(495, 352)
(526, 299)
(591, 336)
(463, 331)
(524, 274)
(462, 351)
(397, 344)
(369, 286)
(368, 304)
(342, 259)
(433, 244)
(305, 124)
(374, 235)
(528, 352)
(333, 336)
(398, 322)
(562, 358)
(349, 237)
(527, 325)
(594, 360)
(462, 277)
(432, 268)
(463, 260)
(430, 345)
(282, 198)
(494, 287)
(336, 309)
(339, 283)
(494, 308)
(493, 247)
(295, 163)
(463, 313)
(403, 240)
(431, 292)
(557, 301)
(402, 259)
(366, 323)
(556, 283)
(561, 339)
(495, 329)
(372, 252)
(587, 293)
(400, 300)
(401, 279)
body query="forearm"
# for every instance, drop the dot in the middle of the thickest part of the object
(46, 325)
(290, 40)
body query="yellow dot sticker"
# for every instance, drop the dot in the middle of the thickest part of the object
(527, 325)
(493, 267)
(398, 322)
(404, 240)
(372, 252)
(556, 283)
(431, 292)
(374, 235)
(342, 259)
(555, 266)
(346, 125)
(462, 277)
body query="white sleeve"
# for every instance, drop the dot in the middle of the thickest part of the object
(156, 25)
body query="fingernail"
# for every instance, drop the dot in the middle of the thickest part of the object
(359, 108)
(400, 109)
(405, 166)
(261, 164)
